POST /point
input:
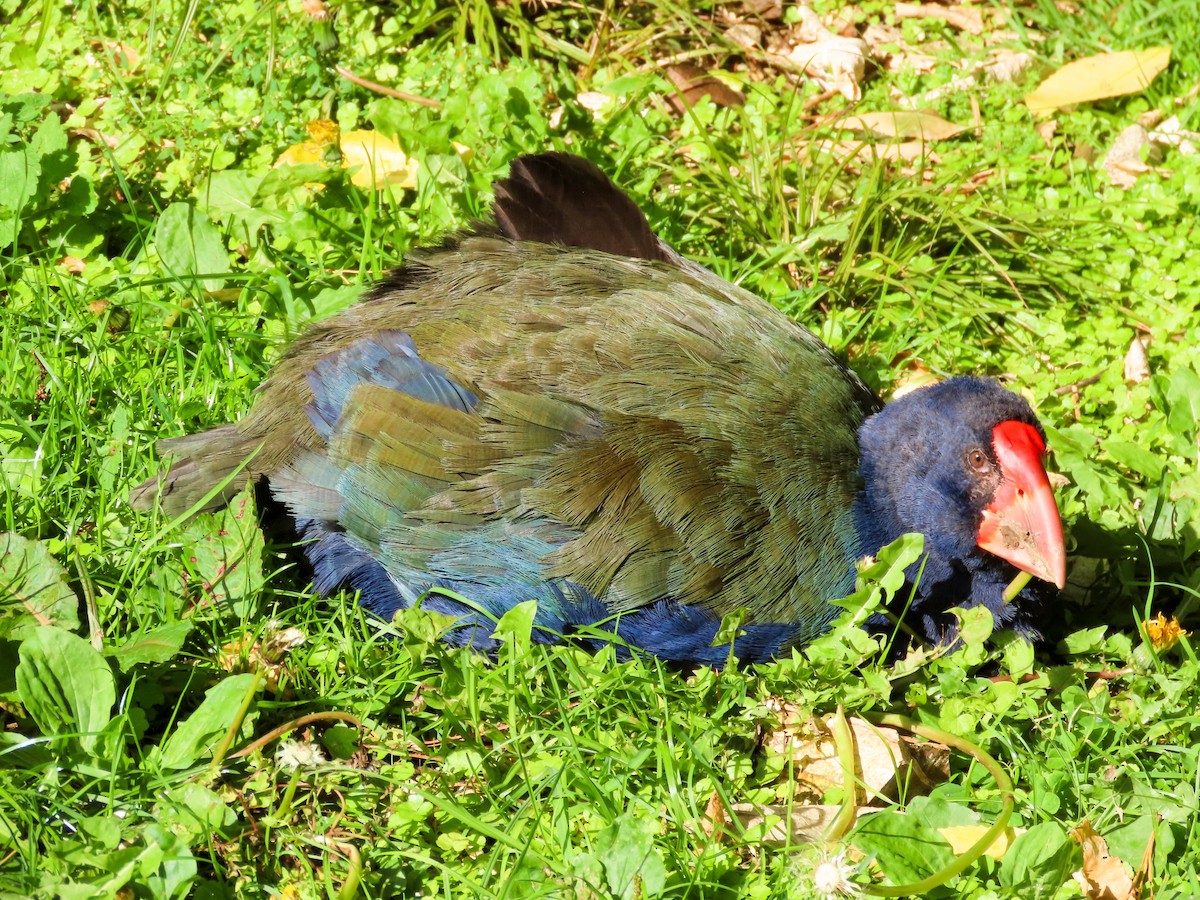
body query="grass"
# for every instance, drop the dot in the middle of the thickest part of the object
(139, 755)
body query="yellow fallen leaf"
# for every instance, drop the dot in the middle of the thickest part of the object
(323, 131)
(303, 154)
(921, 125)
(1099, 77)
(377, 161)
(961, 837)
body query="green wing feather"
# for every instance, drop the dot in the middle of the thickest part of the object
(698, 444)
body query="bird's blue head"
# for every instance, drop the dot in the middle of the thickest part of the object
(961, 462)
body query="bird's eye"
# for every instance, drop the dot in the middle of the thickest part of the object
(978, 461)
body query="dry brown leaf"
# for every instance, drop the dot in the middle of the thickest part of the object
(72, 265)
(836, 63)
(769, 10)
(797, 824)
(965, 18)
(1045, 130)
(267, 655)
(1103, 877)
(715, 817)
(1137, 362)
(377, 161)
(1099, 77)
(693, 84)
(961, 837)
(923, 125)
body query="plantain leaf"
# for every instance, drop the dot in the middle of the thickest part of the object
(66, 686)
(33, 589)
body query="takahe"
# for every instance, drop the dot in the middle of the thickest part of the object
(555, 406)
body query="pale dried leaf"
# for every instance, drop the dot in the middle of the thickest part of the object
(745, 35)
(1057, 480)
(72, 265)
(903, 151)
(885, 760)
(923, 125)
(1124, 162)
(1007, 65)
(809, 28)
(1171, 133)
(796, 824)
(962, 837)
(835, 63)
(593, 101)
(1103, 877)
(377, 161)
(1099, 77)
(1137, 363)
(965, 18)
(877, 34)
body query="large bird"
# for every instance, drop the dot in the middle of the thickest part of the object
(557, 407)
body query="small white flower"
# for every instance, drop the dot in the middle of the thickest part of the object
(294, 754)
(832, 878)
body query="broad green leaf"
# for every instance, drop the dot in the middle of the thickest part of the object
(1087, 640)
(975, 625)
(21, 468)
(1135, 457)
(189, 245)
(1040, 862)
(224, 551)
(516, 624)
(731, 624)
(229, 196)
(153, 646)
(905, 847)
(1099, 77)
(66, 685)
(1184, 397)
(33, 589)
(632, 865)
(199, 733)
(193, 810)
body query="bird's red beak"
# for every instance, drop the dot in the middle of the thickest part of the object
(1021, 524)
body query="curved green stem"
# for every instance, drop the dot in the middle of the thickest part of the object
(977, 849)
(843, 740)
